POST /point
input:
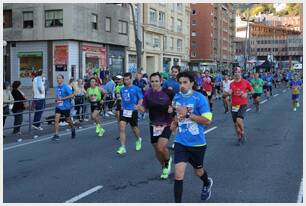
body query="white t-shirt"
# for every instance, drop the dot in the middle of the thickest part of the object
(226, 85)
(38, 86)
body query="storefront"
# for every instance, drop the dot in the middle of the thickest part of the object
(116, 59)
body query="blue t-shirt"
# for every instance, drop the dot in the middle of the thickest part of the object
(130, 97)
(172, 83)
(63, 91)
(269, 80)
(218, 80)
(190, 133)
(294, 84)
(199, 81)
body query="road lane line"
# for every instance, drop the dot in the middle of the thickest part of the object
(47, 138)
(275, 95)
(300, 195)
(249, 109)
(263, 101)
(211, 129)
(84, 194)
(284, 90)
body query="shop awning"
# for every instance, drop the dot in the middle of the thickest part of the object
(30, 54)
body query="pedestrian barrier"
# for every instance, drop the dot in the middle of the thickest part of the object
(30, 111)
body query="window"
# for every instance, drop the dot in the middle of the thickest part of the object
(193, 44)
(258, 49)
(161, 19)
(179, 7)
(194, 22)
(193, 54)
(108, 22)
(156, 41)
(54, 18)
(165, 42)
(123, 27)
(179, 25)
(194, 12)
(171, 43)
(149, 38)
(28, 19)
(94, 18)
(172, 24)
(179, 44)
(153, 16)
(7, 19)
(193, 33)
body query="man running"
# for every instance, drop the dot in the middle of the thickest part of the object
(158, 101)
(131, 101)
(239, 89)
(63, 106)
(269, 80)
(208, 87)
(218, 81)
(257, 84)
(192, 113)
(295, 85)
(172, 83)
(119, 85)
(225, 88)
(96, 95)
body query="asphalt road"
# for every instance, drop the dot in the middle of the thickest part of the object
(268, 168)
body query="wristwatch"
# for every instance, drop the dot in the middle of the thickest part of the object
(187, 114)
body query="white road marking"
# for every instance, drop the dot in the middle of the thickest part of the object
(263, 101)
(275, 95)
(249, 109)
(300, 195)
(47, 138)
(284, 90)
(84, 194)
(209, 130)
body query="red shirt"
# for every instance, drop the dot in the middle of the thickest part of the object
(207, 84)
(238, 88)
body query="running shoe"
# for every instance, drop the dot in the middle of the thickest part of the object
(164, 174)
(121, 150)
(55, 138)
(294, 109)
(101, 132)
(138, 144)
(73, 133)
(98, 128)
(206, 190)
(297, 104)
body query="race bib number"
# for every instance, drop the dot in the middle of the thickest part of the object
(295, 90)
(127, 113)
(235, 108)
(158, 130)
(208, 93)
(60, 103)
(93, 98)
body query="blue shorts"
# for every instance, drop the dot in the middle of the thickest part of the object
(295, 96)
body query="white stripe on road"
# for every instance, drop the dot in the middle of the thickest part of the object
(275, 95)
(300, 195)
(47, 138)
(263, 101)
(249, 109)
(209, 130)
(84, 194)
(284, 90)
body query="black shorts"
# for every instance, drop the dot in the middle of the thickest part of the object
(255, 95)
(132, 120)
(240, 113)
(269, 88)
(95, 106)
(193, 155)
(218, 88)
(118, 105)
(208, 96)
(65, 112)
(165, 134)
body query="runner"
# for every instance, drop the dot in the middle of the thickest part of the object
(295, 85)
(172, 83)
(218, 81)
(208, 87)
(190, 144)
(225, 88)
(96, 95)
(63, 100)
(238, 89)
(269, 79)
(131, 101)
(257, 84)
(119, 85)
(158, 101)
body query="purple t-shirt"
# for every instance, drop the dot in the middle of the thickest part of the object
(158, 103)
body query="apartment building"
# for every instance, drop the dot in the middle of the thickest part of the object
(63, 39)
(212, 33)
(164, 33)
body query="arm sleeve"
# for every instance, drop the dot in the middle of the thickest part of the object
(203, 108)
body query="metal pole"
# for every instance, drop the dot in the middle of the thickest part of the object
(30, 125)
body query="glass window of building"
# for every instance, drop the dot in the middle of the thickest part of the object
(153, 16)
(179, 25)
(123, 25)
(193, 33)
(108, 22)
(194, 22)
(179, 45)
(7, 19)
(28, 19)
(54, 18)
(161, 19)
(94, 19)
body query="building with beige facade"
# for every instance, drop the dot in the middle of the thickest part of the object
(165, 36)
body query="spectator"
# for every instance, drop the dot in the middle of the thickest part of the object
(8, 100)
(39, 99)
(110, 94)
(80, 100)
(139, 82)
(18, 106)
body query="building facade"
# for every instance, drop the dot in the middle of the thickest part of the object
(164, 33)
(64, 39)
(212, 33)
